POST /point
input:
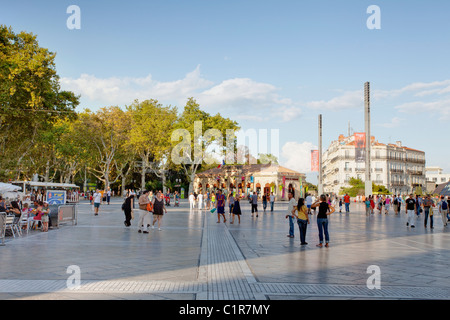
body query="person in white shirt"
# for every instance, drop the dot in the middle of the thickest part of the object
(309, 202)
(200, 201)
(97, 198)
(191, 200)
(272, 201)
(291, 205)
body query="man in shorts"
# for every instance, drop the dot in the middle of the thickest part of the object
(97, 198)
(220, 205)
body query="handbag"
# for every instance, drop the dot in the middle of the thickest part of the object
(149, 207)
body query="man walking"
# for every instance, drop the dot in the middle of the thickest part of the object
(272, 201)
(347, 203)
(97, 198)
(410, 210)
(254, 200)
(309, 202)
(427, 204)
(443, 209)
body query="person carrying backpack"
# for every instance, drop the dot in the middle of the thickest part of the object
(443, 209)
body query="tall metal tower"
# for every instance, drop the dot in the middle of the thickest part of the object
(368, 180)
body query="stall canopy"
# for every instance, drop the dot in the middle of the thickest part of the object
(7, 187)
(445, 190)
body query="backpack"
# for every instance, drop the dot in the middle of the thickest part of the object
(444, 205)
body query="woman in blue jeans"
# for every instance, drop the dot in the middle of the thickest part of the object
(322, 219)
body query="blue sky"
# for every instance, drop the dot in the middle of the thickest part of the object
(267, 64)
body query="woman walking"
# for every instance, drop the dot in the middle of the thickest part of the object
(322, 219)
(236, 210)
(158, 210)
(127, 208)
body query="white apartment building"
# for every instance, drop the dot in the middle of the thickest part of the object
(436, 175)
(398, 168)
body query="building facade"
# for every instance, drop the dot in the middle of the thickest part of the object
(435, 176)
(400, 169)
(245, 179)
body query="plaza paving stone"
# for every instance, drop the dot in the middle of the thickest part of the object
(195, 258)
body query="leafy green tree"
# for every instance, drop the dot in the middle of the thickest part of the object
(198, 142)
(357, 187)
(30, 96)
(149, 136)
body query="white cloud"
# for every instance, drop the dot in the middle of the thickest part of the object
(395, 122)
(439, 108)
(297, 156)
(243, 94)
(244, 98)
(349, 100)
(121, 91)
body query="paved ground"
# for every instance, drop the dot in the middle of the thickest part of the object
(195, 258)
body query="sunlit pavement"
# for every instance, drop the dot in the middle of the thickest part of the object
(195, 258)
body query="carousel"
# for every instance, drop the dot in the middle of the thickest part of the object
(243, 180)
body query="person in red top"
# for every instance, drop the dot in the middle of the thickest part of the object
(347, 203)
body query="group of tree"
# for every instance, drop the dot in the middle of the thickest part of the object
(357, 188)
(41, 133)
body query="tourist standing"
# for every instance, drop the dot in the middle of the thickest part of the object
(322, 219)
(410, 210)
(158, 210)
(143, 212)
(272, 201)
(220, 205)
(291, 207)
(302, 220)
(347, 203)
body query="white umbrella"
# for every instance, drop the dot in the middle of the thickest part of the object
(7, 187)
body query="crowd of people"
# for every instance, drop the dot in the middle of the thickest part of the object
(150, 204)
